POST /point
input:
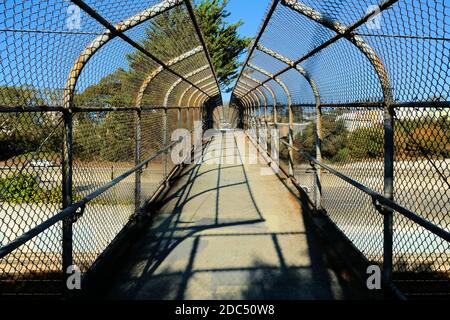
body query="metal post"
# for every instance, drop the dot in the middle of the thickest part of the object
(247, 118)
(165, 132)
(250, 114)
(197, 111)
(275, 117)
(137, 161)
(266, 127)
(388, 190)
(67, 187)
(254, 117)
(258, 127)
(383, 76)
(188, 120)
(317, 169)
(265, 116)
(291, 140)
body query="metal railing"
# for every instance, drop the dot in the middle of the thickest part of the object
(89, 95)
(360, 96)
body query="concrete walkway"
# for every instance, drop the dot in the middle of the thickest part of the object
(227, 232)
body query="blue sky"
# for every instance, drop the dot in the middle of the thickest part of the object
(22, 53)
(417, 68)
(251, 12)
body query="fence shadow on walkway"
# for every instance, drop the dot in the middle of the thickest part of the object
(169, 256)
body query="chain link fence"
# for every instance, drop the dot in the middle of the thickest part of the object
(359, 91)
(90, 92)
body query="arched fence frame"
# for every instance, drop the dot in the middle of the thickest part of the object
(295, 15)
(157, 101)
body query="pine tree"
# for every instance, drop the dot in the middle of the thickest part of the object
(223, 41)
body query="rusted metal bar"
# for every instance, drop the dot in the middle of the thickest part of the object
(137, 160)
(156, 72)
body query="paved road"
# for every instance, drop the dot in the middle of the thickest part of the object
(227, 232)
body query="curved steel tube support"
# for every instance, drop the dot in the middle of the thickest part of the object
(264, 99)
(269, 89)
(356, 40)
(318, 126)
(160, 69)
(180, 101)
(176, 83)
(291, 117)
(194, 94)
(199, 94)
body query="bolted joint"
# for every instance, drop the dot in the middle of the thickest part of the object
(77, 214)
(381, 208)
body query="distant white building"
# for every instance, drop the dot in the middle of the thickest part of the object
(366, 119)
(361, 119)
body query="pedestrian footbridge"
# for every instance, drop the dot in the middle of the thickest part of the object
(124, 174)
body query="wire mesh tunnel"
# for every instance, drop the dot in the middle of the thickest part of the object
(359, 96)
(351, 98)
(90, 92)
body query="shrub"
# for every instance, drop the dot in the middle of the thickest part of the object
(19, 188)
(367, 143)
(25, 188)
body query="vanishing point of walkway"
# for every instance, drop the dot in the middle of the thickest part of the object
(226, 231)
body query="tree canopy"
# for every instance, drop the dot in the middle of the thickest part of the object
(224, 43)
